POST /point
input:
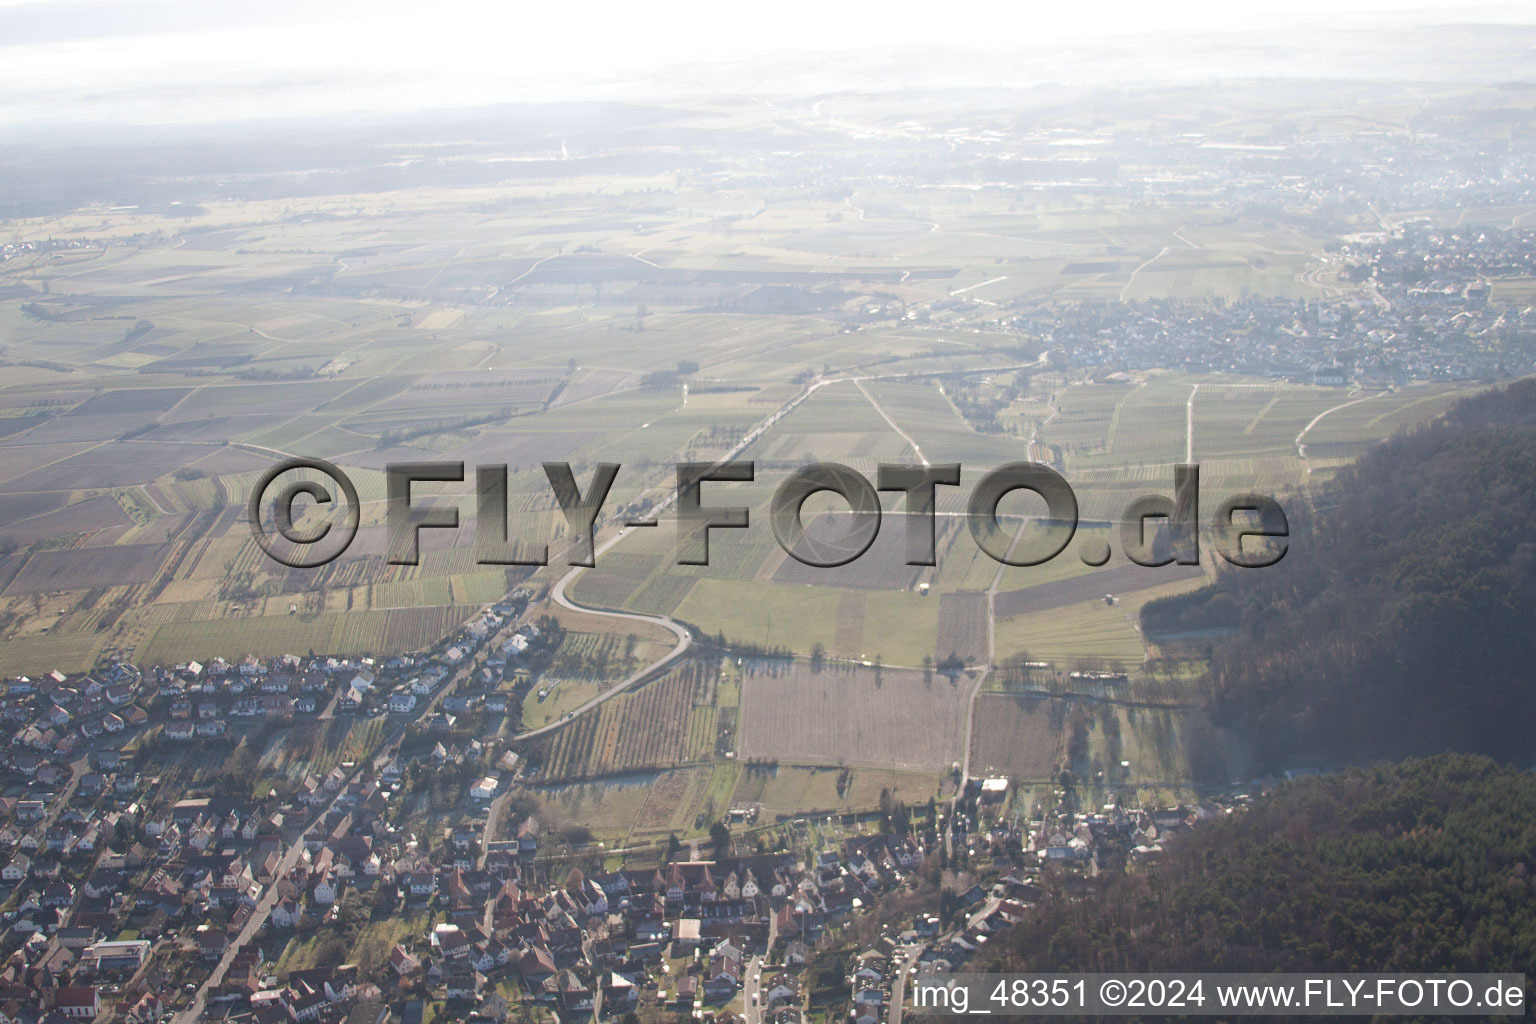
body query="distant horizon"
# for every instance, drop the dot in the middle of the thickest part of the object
(170, 61)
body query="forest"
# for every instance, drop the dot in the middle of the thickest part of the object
(1421, 866)
(1399, 623)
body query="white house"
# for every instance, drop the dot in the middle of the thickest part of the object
(287, 914)
(18, 869)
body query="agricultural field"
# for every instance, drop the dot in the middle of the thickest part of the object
(651, 726)
(964, 623)
(642, 807)
(609, 807)
(790, 790)
(349, 633)
(602, 311)
(1088, 634)
(166, 383)
(1020, 736)
(899, 718)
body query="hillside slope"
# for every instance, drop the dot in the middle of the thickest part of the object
(1422, 866)
(1402, 621)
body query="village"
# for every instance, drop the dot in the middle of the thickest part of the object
(126, 901)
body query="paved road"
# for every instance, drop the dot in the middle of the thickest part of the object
(981, 677)
(751, 991)
(259, 917)
(684, 640)
(492, 822)
(899, 986)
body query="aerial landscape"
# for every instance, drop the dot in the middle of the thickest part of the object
(529, 785)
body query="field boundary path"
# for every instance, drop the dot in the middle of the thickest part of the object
(1301, 448)
(557, 592)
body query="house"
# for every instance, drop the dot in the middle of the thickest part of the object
(782, 988)
(536, 966)
(103, 883)
(402, 703)
(452, 942)
(458, 703)
(575, 995)
(493, 1009)
(403, 963)
(288, 913)
(619, 993)
(487, 956)
(17, 870)
(485, 789)
(467, 983)
(306, 1008)
(78, 1002)
(723, 976)
(870, 969)
(326, 889)
(528, 837)
(212, 943)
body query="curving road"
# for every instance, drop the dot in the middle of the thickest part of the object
(557, 592)
(557, 595)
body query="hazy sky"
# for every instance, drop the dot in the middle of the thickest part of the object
(167, 60)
